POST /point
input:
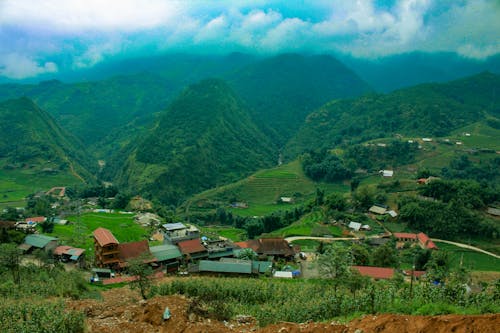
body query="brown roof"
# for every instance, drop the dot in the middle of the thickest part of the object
(37, 219)
(375, 272)
(133, 250)
(416, 274)
(104, 237)
(191, 246)
(249, 244)
(404, 235)
(275, 246)
(60, 250)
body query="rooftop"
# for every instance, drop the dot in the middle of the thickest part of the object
(375, 272)
(104, 237)
(133, 250)
(191, 246)
(243, 267)
(39, 241)
(174, 226)
(165, 252)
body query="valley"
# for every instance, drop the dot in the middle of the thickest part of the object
(379, 203)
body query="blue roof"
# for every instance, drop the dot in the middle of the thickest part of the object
(39, 241)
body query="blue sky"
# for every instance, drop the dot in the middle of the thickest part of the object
(47, 36)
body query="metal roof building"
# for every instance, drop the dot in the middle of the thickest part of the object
(241, 267)
(166, 252)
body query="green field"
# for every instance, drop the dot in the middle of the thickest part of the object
(471, 260)
(309, 225)
(79, 232)
(234, 234)
(16, 184)
(262, 191)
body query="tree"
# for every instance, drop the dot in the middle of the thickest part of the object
(386, 256)
(10, 258)
(335, 263)
(438, 266)
(360, 255)
(139, 268)
(336, 201)
(247, 254)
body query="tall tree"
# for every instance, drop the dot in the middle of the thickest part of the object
(335, 264)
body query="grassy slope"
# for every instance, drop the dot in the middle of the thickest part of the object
(79, 232)
(472, 260)
(261, 191)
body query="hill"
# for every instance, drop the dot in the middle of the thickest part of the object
(424, 110)
(282, 90)
(204, 139)
(93, 110)
(35, 153)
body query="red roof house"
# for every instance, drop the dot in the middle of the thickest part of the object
(405, 236)
(132, 250)
(105, 248)
(193, 249)
(375, 272)
(104, 237)
(36, 219)
(426, 242)
(269, 247)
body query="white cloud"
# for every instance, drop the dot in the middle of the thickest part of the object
(16, 66)
(89, 31)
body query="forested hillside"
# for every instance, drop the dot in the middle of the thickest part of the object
(205, 138)
(282, 90)
(424, 110)
(31, 138)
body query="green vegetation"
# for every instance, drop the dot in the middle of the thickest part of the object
(471, 260)
(271, 301)
(234, 234)
(79, 232)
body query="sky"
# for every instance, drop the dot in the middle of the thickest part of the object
(47, 36)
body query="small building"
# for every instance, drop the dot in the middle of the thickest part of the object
(377, 273)
(386, 173)
(35, 219)
(257, 266)
(178, 232)
(392, 213)
(286, 199)
(416, 274)
(239, 205)
(405, 237)
(283, 275)
(167, 256)
(377, 210)
(365, 227)
(105, 248)
(37, 241)
(426, 242)
(70, 254)
(493, 211)
(219, 248)
(274, 247)
(427, 139)
(193, 249)
(354, 225)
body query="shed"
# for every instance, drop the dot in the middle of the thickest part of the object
(392, 213)
(38, 241)
(375, 272)
(387, 173)
(354, 225)
(377, 210)
(166, 252)
(283, 275)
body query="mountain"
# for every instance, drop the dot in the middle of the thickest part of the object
(408, 69)
(32, 139)
(423, 110)
(93, 110)
(281, 91)
(205, 138)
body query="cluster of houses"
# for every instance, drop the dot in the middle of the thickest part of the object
(183, 245)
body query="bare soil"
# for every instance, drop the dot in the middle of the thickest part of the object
(121, 311)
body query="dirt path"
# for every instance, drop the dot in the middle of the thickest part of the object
(122, 311)
(332, 239)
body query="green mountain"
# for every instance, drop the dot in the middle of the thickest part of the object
(94, 110)
(205, 138)
(423, 110)
(31, 139)
(282, 90)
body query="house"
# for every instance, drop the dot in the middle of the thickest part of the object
(427, 139)
(178, 232)
(377, 210)
(405, 237)
(365, 227)
(35, 219)
(386, 173)
(426, 242)
(286, 199)
(167, 256)
(193, 249)
(105, 248)
(377, 273)
(37, 241)
(134, 250)
(219, 248)
(493, 211)
(354, 225)
(277, 247)
(257, 266)
(70, 254)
